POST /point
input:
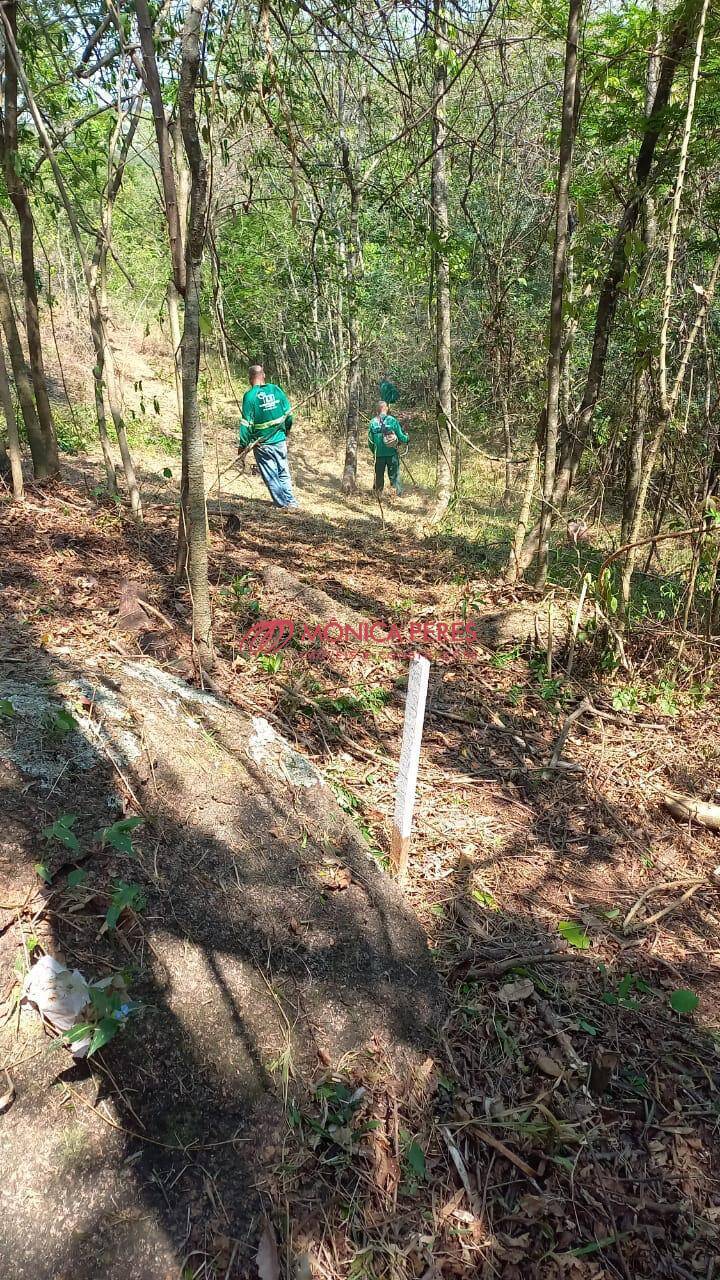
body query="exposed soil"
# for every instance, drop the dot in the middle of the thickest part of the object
(492, 1156)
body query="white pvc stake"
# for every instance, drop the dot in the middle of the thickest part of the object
(409, 761)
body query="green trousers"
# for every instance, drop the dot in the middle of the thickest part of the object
(392, 463)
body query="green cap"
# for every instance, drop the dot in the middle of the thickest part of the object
(389, 392)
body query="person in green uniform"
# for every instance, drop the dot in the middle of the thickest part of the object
(265, 423)
(384, 436)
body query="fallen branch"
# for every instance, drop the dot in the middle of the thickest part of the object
(694, 882)
(504, 1151)
(462, 1171)
(585, 705)
(552, 1022)
(499, 967)
(645, 542)
(687, 809)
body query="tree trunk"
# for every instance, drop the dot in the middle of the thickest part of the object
(164, 142)
(13, 439)
(100, 407)
(192, 427)
(441, 232)
(642, 381)
(104, 371)
(512, 572)
(668, 399)
(352, 420)
(19, 197)
(574, 445)
(562, 220)
(173, 293)
(23, 382)
(113, 394)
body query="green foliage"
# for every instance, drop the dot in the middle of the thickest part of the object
(575, 934)
(503, 659)
(271, 662)
(7, 710)
(119, 835)
(414, 1156)
(684, 1001)
(76, 428)
(354, 703)
(59, 722)
(62, 831)
(107, 1014)
(125, 896)
(629, 986)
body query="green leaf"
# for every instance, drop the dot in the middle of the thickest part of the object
(205, 325)
(61, 830)
(119, 835)
(6, 708)
(60, 722)
(125, 895)
(485, 899)
(587, 1027)
(416, 1159)
(103, 1034)
(79, 1032)
(575, 934)
(44, 872)
(167, 472)
(684, 1001)
(76, 877)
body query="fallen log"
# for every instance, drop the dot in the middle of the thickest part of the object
(687, 809)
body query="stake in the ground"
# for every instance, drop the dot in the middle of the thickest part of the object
(409, 760)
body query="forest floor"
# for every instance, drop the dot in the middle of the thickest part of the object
(565, 1121)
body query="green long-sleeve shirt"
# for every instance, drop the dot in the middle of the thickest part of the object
(266, 415)
(375, 436)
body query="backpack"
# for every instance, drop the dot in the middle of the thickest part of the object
(388, 435)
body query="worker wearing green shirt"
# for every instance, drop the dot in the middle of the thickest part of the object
(265, 423)
(384, 435)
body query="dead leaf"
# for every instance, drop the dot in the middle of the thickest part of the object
(337, 879)
(268, 1259)
(548, 1065)
(424, 1082)
(7, 1098)
(520, 990)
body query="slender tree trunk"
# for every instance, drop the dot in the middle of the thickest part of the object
(98, 385)
(21, 203)
(113, 394)
(441, 230)
(173, 293)
(151, 76)
(352, 421)
(642, 381)
(192, 427)
(507, 443)
(13, 439)
(23, 382)
(511, 573)
(668, 398)
(642, 393)
(562, 221)
(105, 372)
(574, 446)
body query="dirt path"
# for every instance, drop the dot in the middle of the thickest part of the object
(521, 878)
